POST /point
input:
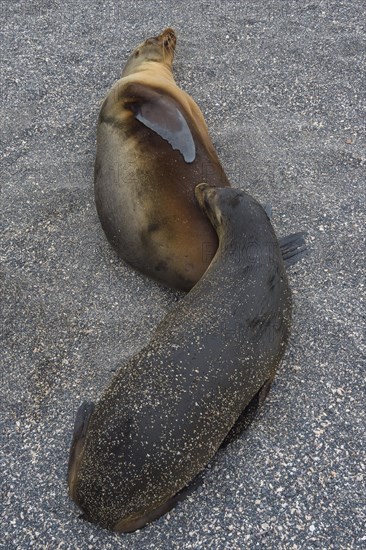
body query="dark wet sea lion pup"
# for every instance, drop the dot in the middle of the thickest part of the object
(153, 148)
(170, 407)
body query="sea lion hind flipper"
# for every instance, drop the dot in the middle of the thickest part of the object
(247, 416)
(82, 419)
(80, 428)
(160, 113)
(293, 248)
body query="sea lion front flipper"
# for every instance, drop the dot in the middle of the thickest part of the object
(247, 416)
(160, 113)
(293, 248)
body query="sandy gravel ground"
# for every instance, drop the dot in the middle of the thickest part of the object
(280, 84)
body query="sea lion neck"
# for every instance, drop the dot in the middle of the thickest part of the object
(151, 69)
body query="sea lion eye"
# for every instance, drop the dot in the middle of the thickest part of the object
(137, 53)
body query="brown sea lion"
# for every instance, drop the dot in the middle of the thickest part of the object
(153, 148)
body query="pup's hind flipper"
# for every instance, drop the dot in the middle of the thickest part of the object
(293, 248)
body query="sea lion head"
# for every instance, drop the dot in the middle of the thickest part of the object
(157, 49)
(232, 211)
(215, 203)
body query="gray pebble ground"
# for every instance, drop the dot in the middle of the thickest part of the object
(280, 85)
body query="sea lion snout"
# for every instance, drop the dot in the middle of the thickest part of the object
(157, 49)
(168, 38)
(207, 196)
(165, 41)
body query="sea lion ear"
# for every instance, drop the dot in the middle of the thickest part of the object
(163, 117)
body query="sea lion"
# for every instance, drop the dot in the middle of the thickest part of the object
(153, 148)
(171, 406)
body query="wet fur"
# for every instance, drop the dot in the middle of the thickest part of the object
(172, 405)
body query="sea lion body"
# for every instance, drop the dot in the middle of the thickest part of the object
(153, 148)
(169, 408)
